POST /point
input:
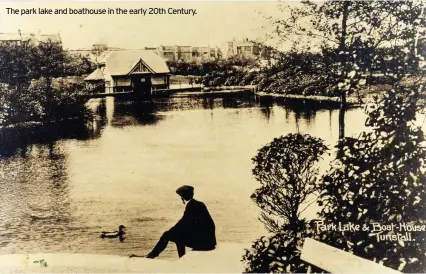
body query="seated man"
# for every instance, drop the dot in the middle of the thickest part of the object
(195, 229)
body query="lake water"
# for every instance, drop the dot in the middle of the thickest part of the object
(61, 185)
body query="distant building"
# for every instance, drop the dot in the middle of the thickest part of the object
(140, 71)
(169, 53)
(206, 53)
(189, 53)
(99, 47)
(28, 38)
(242, 49)
(96, 53)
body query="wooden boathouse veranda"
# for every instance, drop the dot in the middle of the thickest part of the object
(131, 71)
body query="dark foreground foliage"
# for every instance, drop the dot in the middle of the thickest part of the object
(381, 179)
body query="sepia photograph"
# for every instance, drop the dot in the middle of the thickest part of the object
(213, 136)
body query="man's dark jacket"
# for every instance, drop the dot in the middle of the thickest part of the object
(196, 228)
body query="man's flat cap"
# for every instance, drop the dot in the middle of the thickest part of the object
(183, 191)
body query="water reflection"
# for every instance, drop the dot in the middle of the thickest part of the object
(21, 140)
(122, 113)
(208, 103)
(266, 106)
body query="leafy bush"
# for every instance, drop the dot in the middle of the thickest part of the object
(287, 171)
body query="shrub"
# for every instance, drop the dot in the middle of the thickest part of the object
(287, 171)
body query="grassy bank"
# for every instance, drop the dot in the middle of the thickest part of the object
(362, 96)
(319, 98)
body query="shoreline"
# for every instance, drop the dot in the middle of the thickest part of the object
(27, 124)
(224, 90)
(230, 88)
(351, 101)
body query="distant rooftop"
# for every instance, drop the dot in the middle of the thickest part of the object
(11, 37)
(38, 37)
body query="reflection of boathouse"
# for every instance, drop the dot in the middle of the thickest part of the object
(139, 71)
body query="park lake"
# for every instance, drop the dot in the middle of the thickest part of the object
(63, 184)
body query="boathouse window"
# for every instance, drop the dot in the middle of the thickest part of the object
(158, 80)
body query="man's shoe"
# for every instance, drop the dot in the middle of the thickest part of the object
(149, 256)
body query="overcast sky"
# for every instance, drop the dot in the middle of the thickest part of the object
(214, 24)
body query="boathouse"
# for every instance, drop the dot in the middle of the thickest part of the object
(139, 71)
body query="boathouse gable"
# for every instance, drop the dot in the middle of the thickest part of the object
(141, 67)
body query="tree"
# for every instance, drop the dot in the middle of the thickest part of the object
(97, 52)
(350, 34)
(14, 64)
(77, 65)
(47, 60)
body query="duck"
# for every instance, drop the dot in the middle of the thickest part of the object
(121, 231)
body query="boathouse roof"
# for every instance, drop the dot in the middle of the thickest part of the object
(97, 75)
(122, 62)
